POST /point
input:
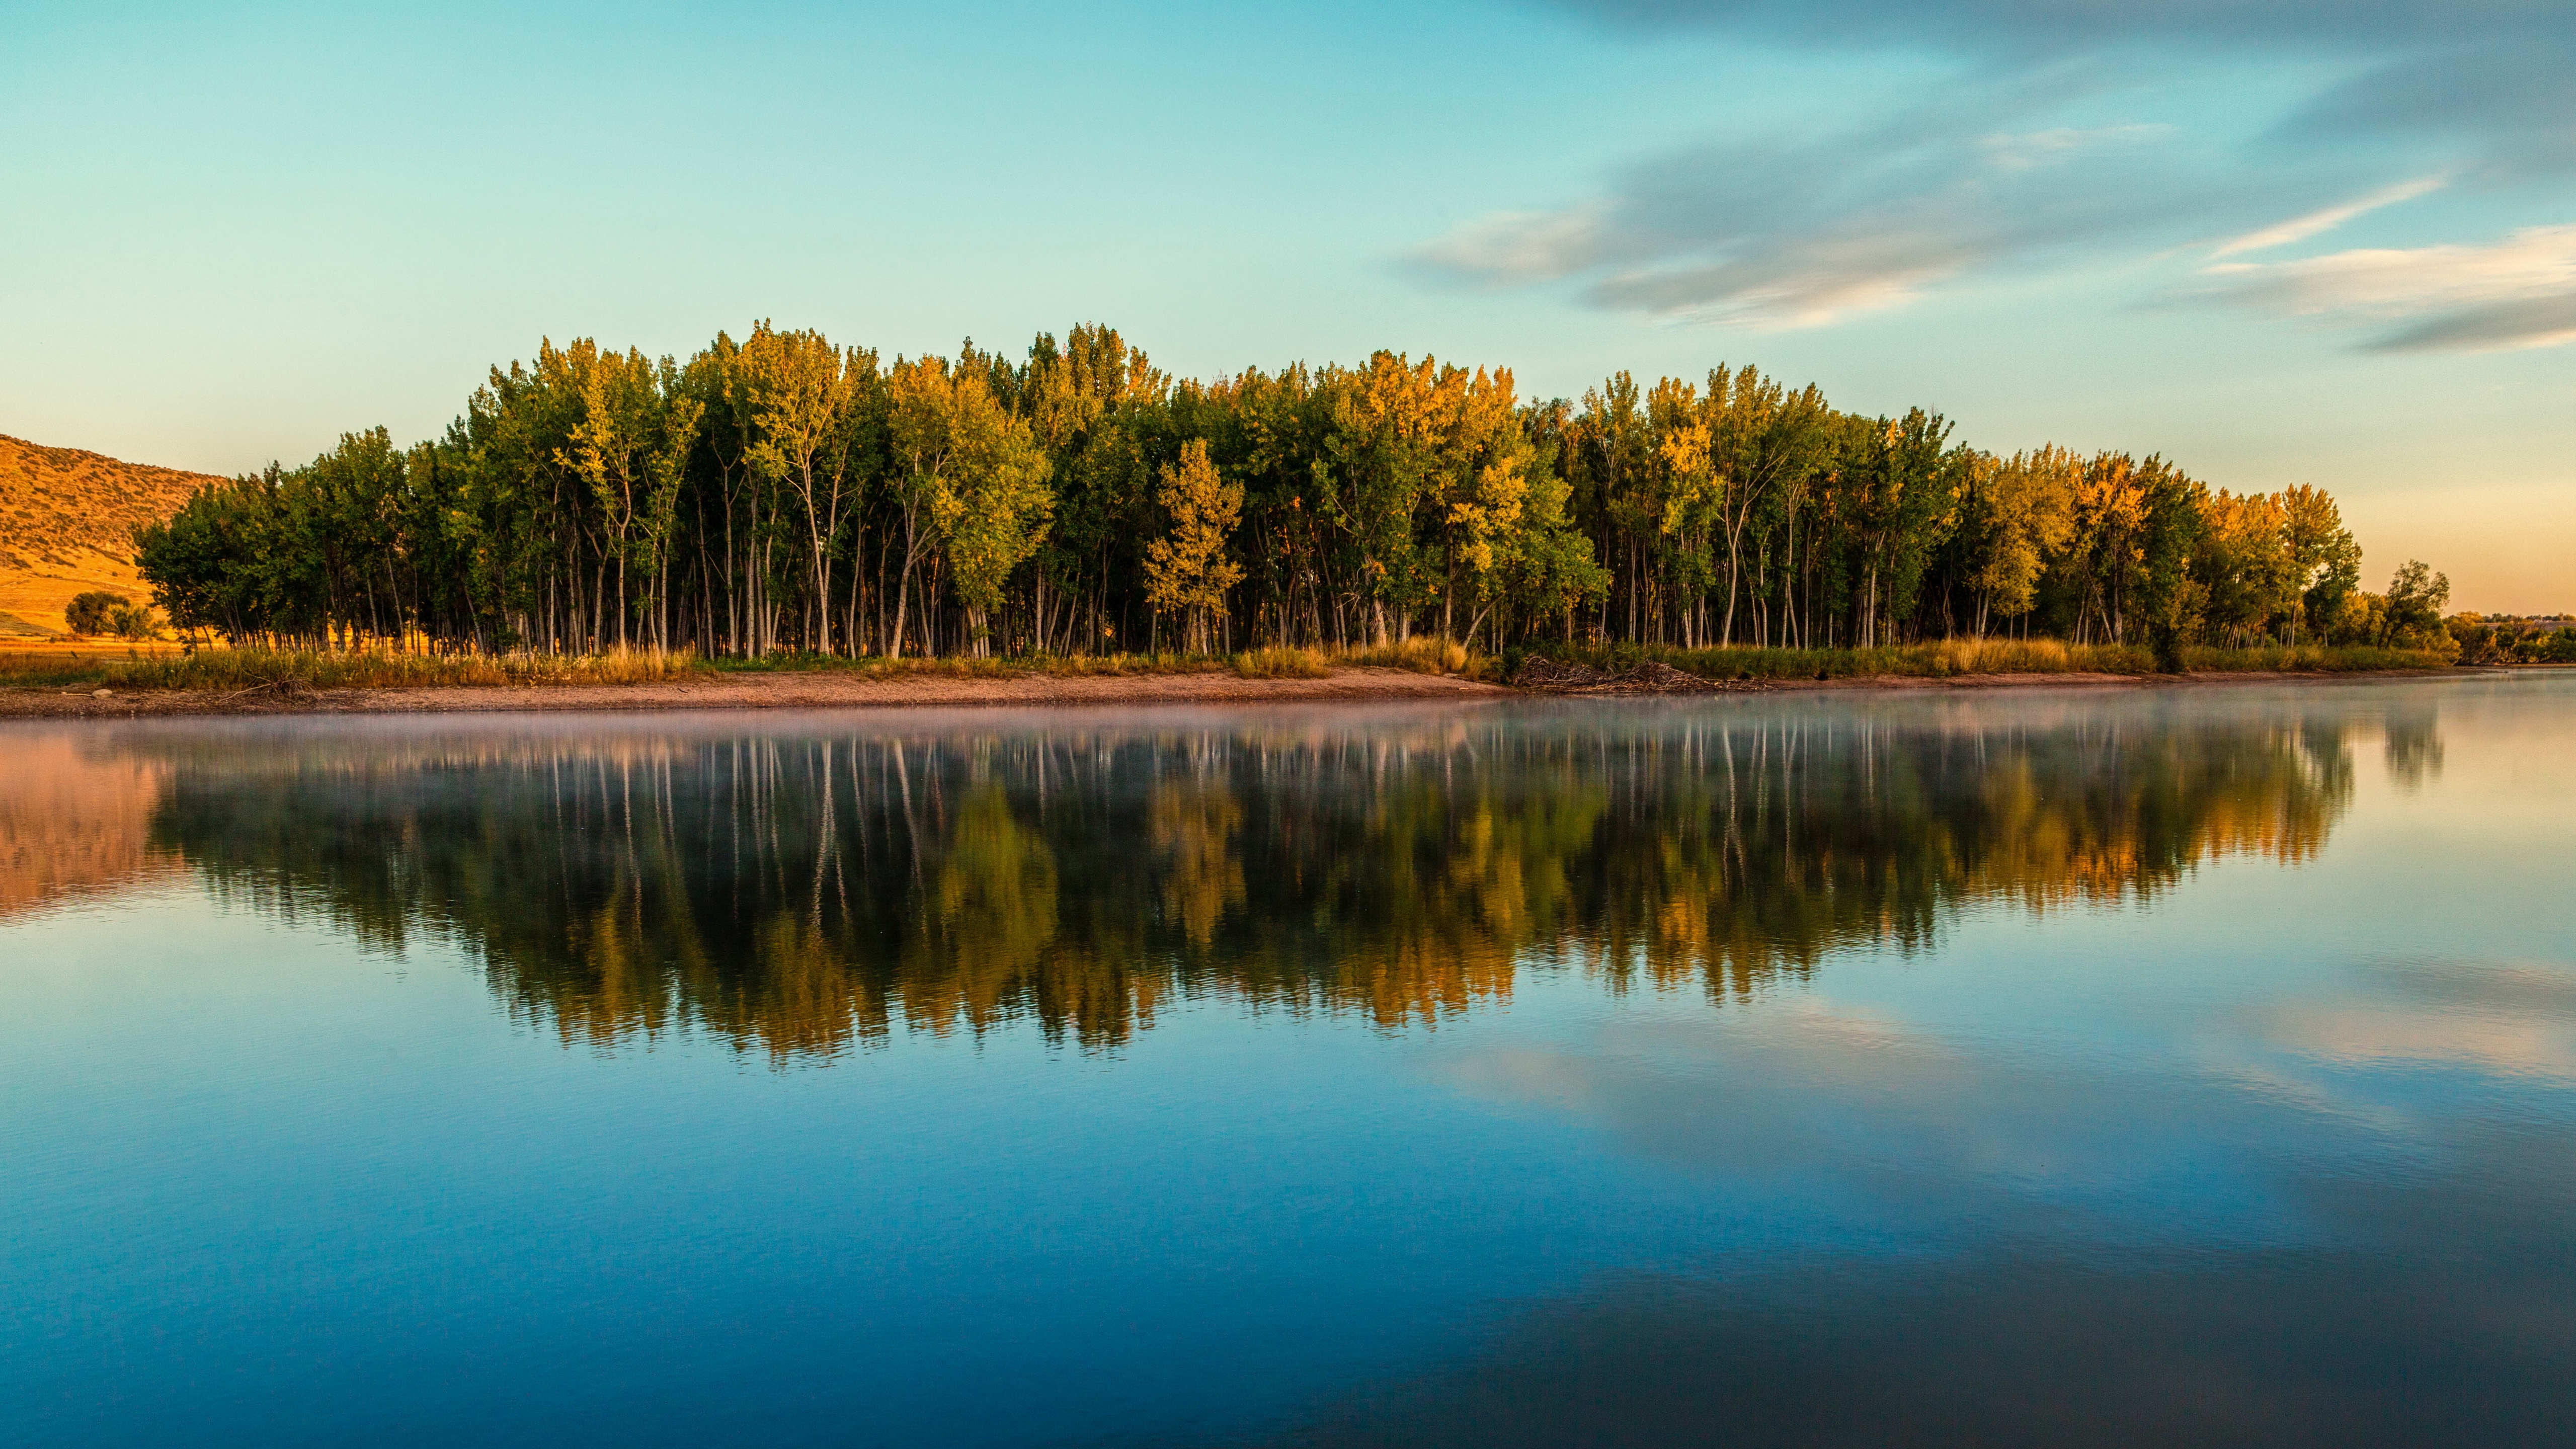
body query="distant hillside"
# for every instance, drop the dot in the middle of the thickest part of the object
(67, 523)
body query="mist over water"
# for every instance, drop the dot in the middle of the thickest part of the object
(2033, 1067)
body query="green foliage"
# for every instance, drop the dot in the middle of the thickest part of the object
(95, 612)
(133, 621)
(2509, 640)
(2412, 615)
(2312, 659)
(973, 488)
(787, 492)
(1186, 570)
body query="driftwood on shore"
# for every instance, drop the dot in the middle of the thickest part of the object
(1546, 676)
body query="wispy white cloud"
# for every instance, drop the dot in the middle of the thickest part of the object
(1522, 245)
(2060, 24)
(2316, 223)
(2061, 143)
(1799, 234)
(1973, 177)
(2516, 293)
(2486, 79)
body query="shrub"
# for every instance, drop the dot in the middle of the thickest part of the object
(94, 612)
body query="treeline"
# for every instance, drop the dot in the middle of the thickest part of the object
(2507, 640)
(788, 493)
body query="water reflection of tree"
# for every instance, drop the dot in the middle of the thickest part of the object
(801, 894)
(2412, 744)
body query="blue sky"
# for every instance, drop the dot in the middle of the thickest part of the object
(2276, 251)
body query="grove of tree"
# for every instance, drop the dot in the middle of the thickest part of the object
(784, 492)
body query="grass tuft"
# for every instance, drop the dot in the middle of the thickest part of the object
(1423, 654)
(1283, 662)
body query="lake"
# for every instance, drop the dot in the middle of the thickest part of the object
(2107, 1067)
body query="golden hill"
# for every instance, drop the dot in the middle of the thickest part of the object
(67, 522)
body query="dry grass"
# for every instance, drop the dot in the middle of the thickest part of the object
(1946, 657)
(36, 595)
(240, 670)
(1283, 662)
(1783, 664)
(1050, 665)
(2024, 656)
(2309, 659)
(58, 502)
(230, 670)
(67, 525)
(1421, 655)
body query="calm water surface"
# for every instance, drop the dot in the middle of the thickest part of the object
(2056, 1068)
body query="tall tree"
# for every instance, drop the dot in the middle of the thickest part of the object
(1186, 570)
(807, 435)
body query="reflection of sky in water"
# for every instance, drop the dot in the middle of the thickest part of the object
(2281, 1153)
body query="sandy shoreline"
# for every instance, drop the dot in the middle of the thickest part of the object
(841, 691)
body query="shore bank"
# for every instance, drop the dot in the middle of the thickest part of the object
(817, 690)
(843, 691)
